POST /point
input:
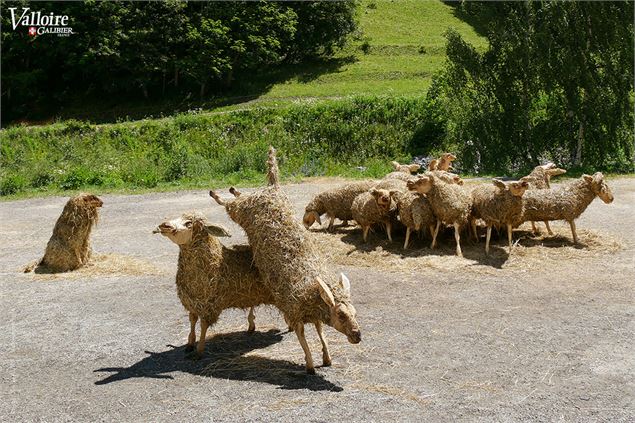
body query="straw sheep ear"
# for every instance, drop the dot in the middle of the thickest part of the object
(345, 283)
(598, 177)
(317, 218)
(414, 167)
(325, 293)
(457, 180)
(215, 230)
(588, 178)
(395, 165)
(374, 192)
(547, 166)
(234, 192)
(395, 192)
(499, 184)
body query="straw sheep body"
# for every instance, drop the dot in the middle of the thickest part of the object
(539, 178)
(402, 176)
(415, 213)
(69, 246)
(498, 204)
(451, 204)
(211, 277)
(567, 202)
(335, 203)
(372, 207)
(290, 265)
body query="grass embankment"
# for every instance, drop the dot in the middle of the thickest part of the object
(352, 138)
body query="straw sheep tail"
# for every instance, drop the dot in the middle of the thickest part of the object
(69, 245)
(273, 173)
(211, 277)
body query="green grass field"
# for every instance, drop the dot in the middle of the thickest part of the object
(406, 47)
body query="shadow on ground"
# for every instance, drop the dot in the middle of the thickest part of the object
(225, 359)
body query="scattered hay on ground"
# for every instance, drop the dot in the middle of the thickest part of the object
(104, 265)
(345, 247)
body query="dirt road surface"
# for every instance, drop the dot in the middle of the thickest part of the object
(546, 335)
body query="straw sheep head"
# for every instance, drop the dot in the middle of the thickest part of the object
(342, 313)
(86, 201)
(182, 229)
(516, 188)
(310, 218)
(433, 164)
(382, 197)
(422, 185)
(599, 186)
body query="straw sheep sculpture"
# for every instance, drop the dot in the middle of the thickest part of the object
(211, 277)
(451, 204)
(335, 203)
(291, 266)
(415, 212)
(539, 178)
(567, 202)
(445, 162)
(500, 204)
(373, 207)
(69, 246)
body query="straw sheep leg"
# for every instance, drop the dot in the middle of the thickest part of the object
(487, 238)
(326, 356)
(191, 339)
(534, 230)
(251, 318)
(365, 229)
(457, 237)
(548, 227)
(405, 244)
(434, 235)
(474, 230)
(299, 331)
(573, 232)
(388, 231)
(331, 223)
(200, 349)
(509, 237)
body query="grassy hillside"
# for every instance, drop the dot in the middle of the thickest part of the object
(400, 47)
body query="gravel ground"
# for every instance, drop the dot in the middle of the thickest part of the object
(550, 342)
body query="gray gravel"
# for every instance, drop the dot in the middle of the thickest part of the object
(553, 343)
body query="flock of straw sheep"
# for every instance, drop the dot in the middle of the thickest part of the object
(282, 265)
(439, 197)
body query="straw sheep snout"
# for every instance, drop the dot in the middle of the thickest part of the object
(179, 230)
(342, 313)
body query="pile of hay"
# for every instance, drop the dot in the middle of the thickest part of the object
(346, 248)
(104, 265)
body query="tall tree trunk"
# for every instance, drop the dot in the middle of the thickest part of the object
(202, 91)
(176, 76)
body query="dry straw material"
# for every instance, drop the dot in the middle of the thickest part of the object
(335, 203)
(290, 264)
(211, 277)
(69, 246)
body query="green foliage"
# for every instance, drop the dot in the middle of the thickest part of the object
(153, 49)
(555, 83)
(329, 138)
